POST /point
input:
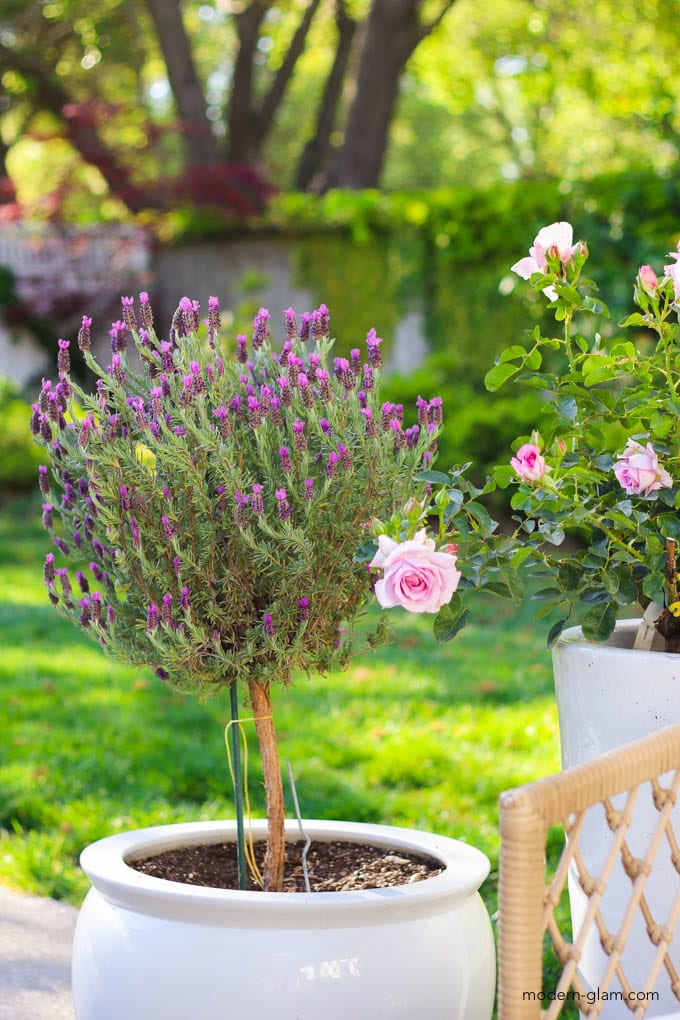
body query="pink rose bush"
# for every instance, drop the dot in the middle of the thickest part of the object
(638, 470)
(555, 241)
(415, 575)
(528, 463)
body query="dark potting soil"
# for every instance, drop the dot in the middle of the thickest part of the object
(332, 867)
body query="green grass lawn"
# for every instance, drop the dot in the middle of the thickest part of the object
(414, 734)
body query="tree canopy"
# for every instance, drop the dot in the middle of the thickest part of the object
(127, 105)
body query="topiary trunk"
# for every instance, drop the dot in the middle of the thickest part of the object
(260, 699)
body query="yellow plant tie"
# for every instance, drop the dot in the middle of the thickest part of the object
(255, 872)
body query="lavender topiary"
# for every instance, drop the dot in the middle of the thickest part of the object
(218, 502)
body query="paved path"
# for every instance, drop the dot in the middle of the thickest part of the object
(35, 957)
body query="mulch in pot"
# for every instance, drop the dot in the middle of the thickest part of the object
(333, 867)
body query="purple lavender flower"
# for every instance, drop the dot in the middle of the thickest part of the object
(291, 323)
(260, 328)
(77, 539)
(303, 605)
(294, 366)
(184, 599)
(176, 564)
(285, 353)
(344, 457)
(35, 419)
(43, 480)
(309, 488)
(240, 514)
(47, 521)
(117, 334)
(166, 611)
(167, 527)
(85, 611)
(423, 411)
(286, 394)
(305, 325)
(48, 569)
(61, 546)
(257, 503)
(152, 617)
(111, 614)
(116, 369)
(305, 390)
(214, 319)
(45, 429)
(145, 309)
(222, 414)
(134, 529)
(436, 411)
(241, 348)
(63, 358)
(167, 360)
(399, 437)
(369, 379)
(268, 625)
(283, 504)
(254, 412)
(96, 606)
(62, 574)
(299, 437)
(323, 380)
(286, 463)
(373, 342)
(129, 316)
(325, 426)
(82, 582)
(84, 336)
(276, 415)
(332, 465)
(325, 320)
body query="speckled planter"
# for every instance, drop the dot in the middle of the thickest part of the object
(149, 949)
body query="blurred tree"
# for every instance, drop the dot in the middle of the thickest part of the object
(103, 78)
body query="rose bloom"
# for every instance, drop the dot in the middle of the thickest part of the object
(648, 280)
(557, 235)
(639, 472)
(528, 463)
(416, 576)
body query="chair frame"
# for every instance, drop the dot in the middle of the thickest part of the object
(526, 902)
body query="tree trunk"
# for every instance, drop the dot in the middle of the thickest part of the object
(316, 151)
(242, 134)
(201, 145)
(393, 30)
(260, 699)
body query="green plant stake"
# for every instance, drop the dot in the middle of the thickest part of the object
(238, 788)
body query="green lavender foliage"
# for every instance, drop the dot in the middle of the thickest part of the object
(149, 470)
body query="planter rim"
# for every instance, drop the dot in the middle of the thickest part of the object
(572, 639)
(104, 862)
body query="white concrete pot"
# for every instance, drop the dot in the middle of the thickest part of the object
(607, 696)
(149, 949)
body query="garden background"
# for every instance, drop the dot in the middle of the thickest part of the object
(504, 117)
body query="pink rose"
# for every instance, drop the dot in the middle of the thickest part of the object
(638, 470)
(558, 236)
(528, 463)
(648, 280)
(416, 576)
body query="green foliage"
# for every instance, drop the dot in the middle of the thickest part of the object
(19, 458)
(603, 468)
(219, 503)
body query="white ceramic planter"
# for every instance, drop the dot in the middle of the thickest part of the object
(607, 696)
(149, 949)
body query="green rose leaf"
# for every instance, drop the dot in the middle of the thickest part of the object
(499, 374)
(599, 622)
(555, 631)
(449, 620)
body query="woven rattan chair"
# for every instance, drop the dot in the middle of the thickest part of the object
(594, 804)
